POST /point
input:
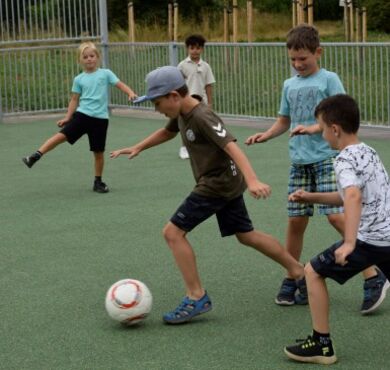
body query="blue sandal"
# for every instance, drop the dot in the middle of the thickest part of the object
(188, 309)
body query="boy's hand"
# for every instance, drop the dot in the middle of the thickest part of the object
(62, 122)
(342, 253)
(300, 130)
(132, 152)
(132, 95)
(299, 196)
(260, 137)
(259, 190)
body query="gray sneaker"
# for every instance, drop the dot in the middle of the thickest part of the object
(286, 295)
(374, 292)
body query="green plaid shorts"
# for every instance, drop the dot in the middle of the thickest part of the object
(313, 177)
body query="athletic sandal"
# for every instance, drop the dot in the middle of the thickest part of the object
(188, 309)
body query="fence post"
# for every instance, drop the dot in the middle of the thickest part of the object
(130, 13)
(310, 12)
(346, 21)
(249, 10)
(173, 54)
(175, 20)
(103, 31)
(170, 23)
(364, 24)
(294, 12)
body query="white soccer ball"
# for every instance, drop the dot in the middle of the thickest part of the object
(128, 301)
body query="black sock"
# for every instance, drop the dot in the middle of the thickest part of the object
(98, 179)
(37, 155)
(323, 338)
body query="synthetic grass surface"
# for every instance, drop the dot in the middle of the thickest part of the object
(63, 245)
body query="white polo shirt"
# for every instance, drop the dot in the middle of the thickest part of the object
(197, 76)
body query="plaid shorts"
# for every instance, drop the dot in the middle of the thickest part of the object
(314, 177)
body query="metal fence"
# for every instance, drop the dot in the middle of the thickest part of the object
(36, 75)
(249, 76)
(38, 21)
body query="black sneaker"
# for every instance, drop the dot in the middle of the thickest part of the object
(100, 187)
(309, 350)
(29, 161)
(301, 293)
(286, 295)
(374, 292)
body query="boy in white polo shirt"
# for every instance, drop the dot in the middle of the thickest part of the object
(198, 75)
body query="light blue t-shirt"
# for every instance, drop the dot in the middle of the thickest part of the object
(300, 97)
(93, 90)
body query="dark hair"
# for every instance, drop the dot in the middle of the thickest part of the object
(195, 40)
(303, 36)
(341, 110)
(182, 91)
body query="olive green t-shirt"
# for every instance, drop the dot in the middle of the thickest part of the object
(205, 135)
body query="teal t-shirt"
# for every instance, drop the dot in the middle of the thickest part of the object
(93, 90)
(300, 97)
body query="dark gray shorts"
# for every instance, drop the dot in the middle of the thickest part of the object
(363, 256)
(232, 215)
(95, 128)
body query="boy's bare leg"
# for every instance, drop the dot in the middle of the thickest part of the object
(269, 246)
(185, 259)
(51, 143)
(295, 233)
(99, 163)
(318, 300)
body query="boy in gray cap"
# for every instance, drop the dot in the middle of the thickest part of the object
(222, 173)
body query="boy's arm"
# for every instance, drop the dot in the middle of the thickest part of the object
(209, 94)
(281, 125)
(156, 138)
(73, 104)
(306, 130)
(302, 196)
(126, 89)
(352, 214)
(256, 188)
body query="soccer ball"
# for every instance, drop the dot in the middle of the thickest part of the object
(128, 301)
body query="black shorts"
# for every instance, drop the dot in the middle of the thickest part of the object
(232, 215)
(363, 256)
(95, 128)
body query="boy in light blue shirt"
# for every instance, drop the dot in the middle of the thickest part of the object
(87, 112)
(311, 156)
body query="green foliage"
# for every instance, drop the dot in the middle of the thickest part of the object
(378, 15)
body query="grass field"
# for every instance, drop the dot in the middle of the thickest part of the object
(62, 246)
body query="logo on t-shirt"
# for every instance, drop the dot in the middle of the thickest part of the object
(220, 130)
(190, 135)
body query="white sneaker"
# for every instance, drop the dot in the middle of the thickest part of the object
(183, 153)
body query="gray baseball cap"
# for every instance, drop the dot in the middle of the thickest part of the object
(160, 82)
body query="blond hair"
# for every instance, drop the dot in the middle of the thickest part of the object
(87, 45)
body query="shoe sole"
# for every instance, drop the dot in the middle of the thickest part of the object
(322, 360)
(25, 161)
(101, 191)
(379, 301)
(187, 318)
(284, 303)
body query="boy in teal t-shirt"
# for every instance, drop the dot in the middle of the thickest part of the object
(87, 112)
(311, 156)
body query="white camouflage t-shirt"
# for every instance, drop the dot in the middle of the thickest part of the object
(359, 165)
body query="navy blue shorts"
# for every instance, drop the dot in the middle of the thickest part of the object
(95, 128)
(363, 256)
(232, 215)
